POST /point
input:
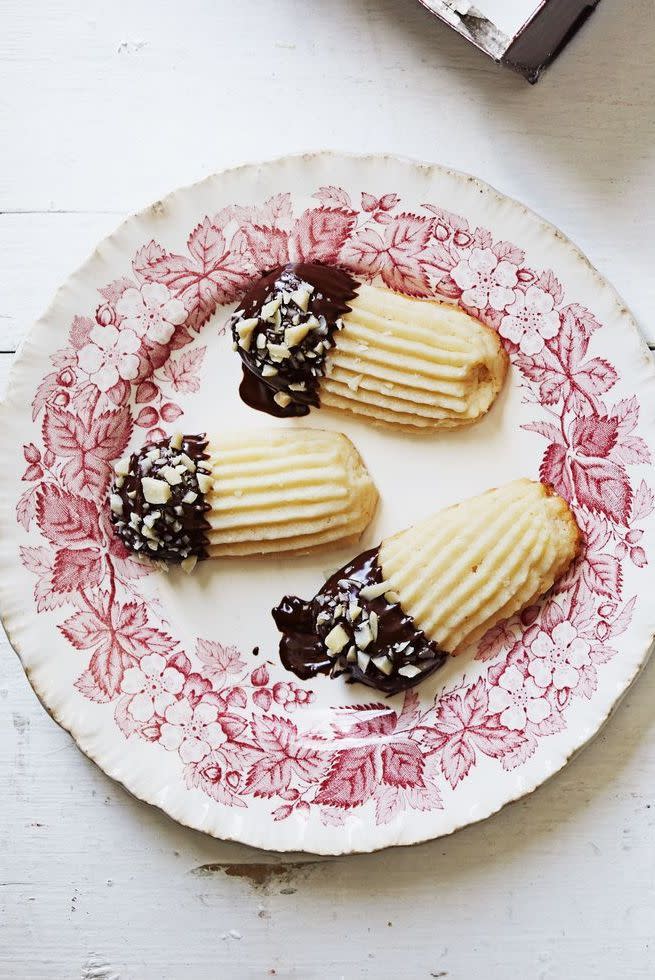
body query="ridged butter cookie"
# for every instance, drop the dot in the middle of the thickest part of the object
(310, 334)
(390, 617)
(260, 492)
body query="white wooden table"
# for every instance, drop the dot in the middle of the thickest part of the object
(103, 108)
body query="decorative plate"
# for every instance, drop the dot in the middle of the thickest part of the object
(154, 675)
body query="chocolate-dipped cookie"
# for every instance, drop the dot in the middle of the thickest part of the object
(310, 334)
(391, 617)
(286, 491)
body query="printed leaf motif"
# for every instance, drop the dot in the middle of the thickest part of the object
(65, 519)
(80, 330)
(351, 779)
(365, 253)
(184, 372)
(388, 803)
(622, 621)
(632, 449)
(565, 373)
(407, 236)
(388, 202)
(210, 275)
(554, 470)
(595, 377)
(602, 573)
(588, 681)
(87, 685)
(123, 718)
(76, 569)
(397, 256)
(276, 734)
(89, 448)
(495, 640)
(643, 503)
(44, 393)
(546, 429)
(232, 725)
(147, 259)
(113, 292)
(39, 561)
(117, 636)
(279, 207)
(509, 252)
(26, 506)
(457, 758)
(585, 321)
(595, 435)
(284, 756)
(270, 775)
(336, 196)
(626, 413)
(85, 629)
(519, 754)
(461, 725)
(282, 812)
(265, 247)
(550, 284)
(320, 233)
(603, 487)
(410, 711)
(106, 668)
(402, 764)
(221, 663)
(382, 723)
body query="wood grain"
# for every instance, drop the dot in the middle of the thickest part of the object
(558, 885)
(105, 107)
(109, 95)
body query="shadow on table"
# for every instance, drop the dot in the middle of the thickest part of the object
(511, 836)
(597, 84)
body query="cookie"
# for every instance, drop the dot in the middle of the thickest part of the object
(394, 614)
(460, 572)
(311, 335)
(259, 492)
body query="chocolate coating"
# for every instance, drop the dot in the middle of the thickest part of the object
(178, 530)
(396, 637)
(298, 366)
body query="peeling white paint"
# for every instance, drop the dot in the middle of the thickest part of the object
(97, 968)
(524, 895)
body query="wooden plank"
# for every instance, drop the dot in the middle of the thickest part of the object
(102, 111)
(37, 253)
(576, 148)
(560, 884)
(5, 364)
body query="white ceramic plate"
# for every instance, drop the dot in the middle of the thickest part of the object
(139, 668)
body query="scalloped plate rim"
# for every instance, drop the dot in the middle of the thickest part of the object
(8, 619)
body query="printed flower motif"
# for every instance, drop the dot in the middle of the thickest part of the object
(518, 699)
(153, 686)
(110, 357)
(546, 669)
(558, 657)
(485, 280)
(193, 731)
(151, 312)
(530, 320)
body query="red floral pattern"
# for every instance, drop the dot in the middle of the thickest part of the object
(239, 733)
